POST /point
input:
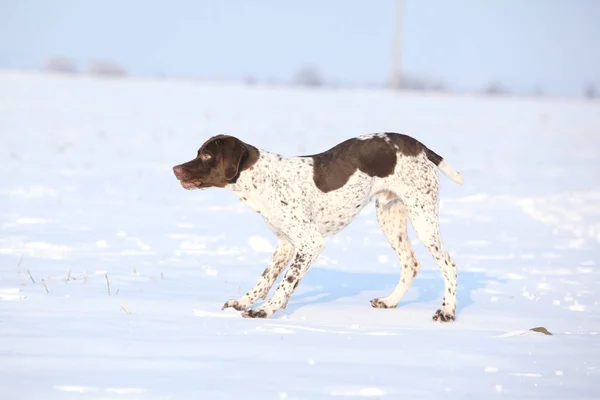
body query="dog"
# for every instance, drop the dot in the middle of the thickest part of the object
(305, 199)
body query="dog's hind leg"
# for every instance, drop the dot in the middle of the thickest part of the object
(393, 218)
(422, 202)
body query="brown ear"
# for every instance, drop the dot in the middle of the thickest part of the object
(233, 152)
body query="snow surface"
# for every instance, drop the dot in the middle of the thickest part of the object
(88, 196)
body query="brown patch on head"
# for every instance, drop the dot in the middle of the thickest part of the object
(218, 163)
(375, 157)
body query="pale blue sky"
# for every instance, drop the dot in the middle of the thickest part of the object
(463, 43)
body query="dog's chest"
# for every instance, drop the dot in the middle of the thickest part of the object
(257, 202)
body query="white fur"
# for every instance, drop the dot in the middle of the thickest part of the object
(450, 172)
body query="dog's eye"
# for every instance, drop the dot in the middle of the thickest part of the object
(205, 156)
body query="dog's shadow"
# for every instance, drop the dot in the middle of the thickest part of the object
(334, 284)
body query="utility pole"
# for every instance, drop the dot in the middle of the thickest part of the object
(395, 73)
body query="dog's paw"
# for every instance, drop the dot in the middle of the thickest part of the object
(235, 304)
(255, 313)
(379, 303)
(441, 316)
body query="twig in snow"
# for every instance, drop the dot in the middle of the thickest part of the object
(541, 329)
(20, 260)
(45, 287)
(68, 276)
(32, 280)
(107, 283)
(126, 308)
(117, 292)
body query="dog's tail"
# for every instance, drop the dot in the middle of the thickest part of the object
(443, 166)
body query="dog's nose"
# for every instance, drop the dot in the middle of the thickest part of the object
(178, 170)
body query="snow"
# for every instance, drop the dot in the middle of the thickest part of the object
(89, 206)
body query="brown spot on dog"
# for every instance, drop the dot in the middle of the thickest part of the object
(385, 197)
(407, 145)
(433, 156)
(290, 279)
(375, 156)
(334, 167)
(410, 146)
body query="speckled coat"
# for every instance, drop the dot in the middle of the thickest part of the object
(305, 199)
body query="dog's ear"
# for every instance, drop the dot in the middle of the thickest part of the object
(233, 152)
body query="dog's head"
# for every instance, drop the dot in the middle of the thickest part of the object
(216, 164)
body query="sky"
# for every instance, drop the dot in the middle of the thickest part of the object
(553, 45)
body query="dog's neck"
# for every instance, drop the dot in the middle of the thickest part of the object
(255, 171)
(253, 182)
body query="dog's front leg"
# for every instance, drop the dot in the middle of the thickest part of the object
(309, 245)
(282, 256)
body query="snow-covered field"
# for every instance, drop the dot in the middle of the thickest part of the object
(87, 196)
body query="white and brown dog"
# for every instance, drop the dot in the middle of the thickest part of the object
(305, 199)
